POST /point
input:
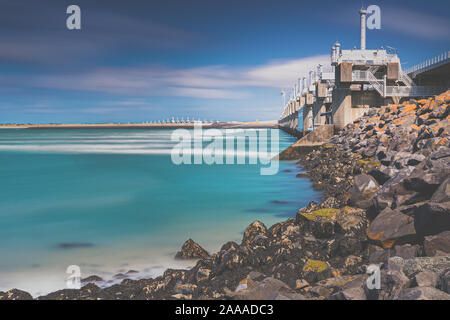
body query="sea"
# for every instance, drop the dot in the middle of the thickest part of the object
(112, 200)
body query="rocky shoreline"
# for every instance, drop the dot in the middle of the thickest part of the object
(386, 205)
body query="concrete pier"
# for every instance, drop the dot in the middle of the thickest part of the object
(360, 79)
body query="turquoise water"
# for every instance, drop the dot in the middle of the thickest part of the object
(117, 192)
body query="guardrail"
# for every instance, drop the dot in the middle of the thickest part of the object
(439, 59)
(414, 91)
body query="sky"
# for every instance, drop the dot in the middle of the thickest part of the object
(144, 60)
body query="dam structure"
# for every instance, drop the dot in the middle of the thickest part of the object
(355, 81)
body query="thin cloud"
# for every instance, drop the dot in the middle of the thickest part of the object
(209, 82)
(415, 23)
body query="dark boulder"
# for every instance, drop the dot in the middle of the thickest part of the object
(15, 294)
(191, 250)
(391, 226)
(254, 230)
(432, 218)
(93, 278)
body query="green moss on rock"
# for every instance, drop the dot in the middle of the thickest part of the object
(315, 266)
(370, 162)
(326, 214)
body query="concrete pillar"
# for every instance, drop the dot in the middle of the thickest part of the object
(342, 103)
(363, 13)
(307, 123)
(318, 108)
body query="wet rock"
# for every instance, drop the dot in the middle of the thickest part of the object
(423, 293)
(316, 270)
(132, 272)
(438, 244)
(188, 290)
(321, 222)
(191, 250)
(88, 291)
(15, 294)
(93, 278)
(254, 230)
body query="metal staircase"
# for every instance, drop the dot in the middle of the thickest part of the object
(408, 90)
(406, 79)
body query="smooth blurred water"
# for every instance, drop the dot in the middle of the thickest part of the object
(118, 192)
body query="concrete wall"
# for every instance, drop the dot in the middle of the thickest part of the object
(318, 108)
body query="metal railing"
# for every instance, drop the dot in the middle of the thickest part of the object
(367, 76)
(413, 91)
(439, 59)
(406, 79)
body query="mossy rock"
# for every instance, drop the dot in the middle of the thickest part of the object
(315, 266)
(324, 214)
(370, 162)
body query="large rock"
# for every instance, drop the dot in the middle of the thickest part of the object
(191, 250)
(255, 229)
(438, 244)
(316, 270)
(364, 188)
(267, 289)
(432, 218)
(427, 279)
(442, 194)
(429, 175)
(393, 193)
(423, 293)
(393, 280)
(407, 251)
(354, 290)
(15, 294)
(391, 226)
(327, 222)
(411, 267)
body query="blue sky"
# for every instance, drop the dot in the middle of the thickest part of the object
(141, 60)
